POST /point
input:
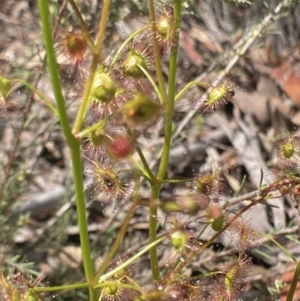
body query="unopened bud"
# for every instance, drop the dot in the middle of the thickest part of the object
(121, 147)
(103, 88)
(140, 109)
(75, 46)
(131, 65)
(5, 86)
(178, 240)
(215, 217)
(187, 204)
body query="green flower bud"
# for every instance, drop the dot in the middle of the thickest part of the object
(131, 65)
(5, 86)
(217, 223)
(140, 109)
(97, 137)
(178, 240)
(31, 296)
(103, 88)
(218, 97)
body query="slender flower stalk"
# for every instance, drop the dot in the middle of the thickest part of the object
(86, 96)
(170, 101)
(74, 145)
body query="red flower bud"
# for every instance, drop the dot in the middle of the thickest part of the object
(120, 147)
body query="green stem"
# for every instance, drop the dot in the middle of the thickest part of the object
(279, 246)
(99, 125)
(118, 284)
(73, 144)
(39, 94)
(159, 73)
(171, 94)
(190, 84)
(84, 285)
(202, 231)
(142, 158)
(60, 288)
(82, 24)
(241, 187)
(152, 83)
(145, 164)
(169, 101)
(155, 189)
(291, 293)
(174, 50)
(116, 243)
(131, 260)
(141, 170)
(171, 181)
(117, 55)
(82, 220)
(53, 69)
(86, 95)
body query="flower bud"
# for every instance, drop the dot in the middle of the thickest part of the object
(131, 64)
(121, 147)
(209, 183)
(163, 26)
(111, 290)
(31, 296)
(103, 88)
(75, 46)
(187, 204)
(215, 217)
(151, 296)
(97, 137)
(218, 97)
(286, 150)
(217, 223)
(178, 240)
(140, 109)
(236, 276)
(5, 86)
(170, 206)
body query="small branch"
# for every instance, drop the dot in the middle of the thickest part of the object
(248, 196)
(86, 95)
(159, 73)
(214, 237)
(82, 24)
(116, 244)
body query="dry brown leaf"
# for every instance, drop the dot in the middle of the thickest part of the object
(287, 76)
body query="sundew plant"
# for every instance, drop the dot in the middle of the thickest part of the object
(122, 91)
